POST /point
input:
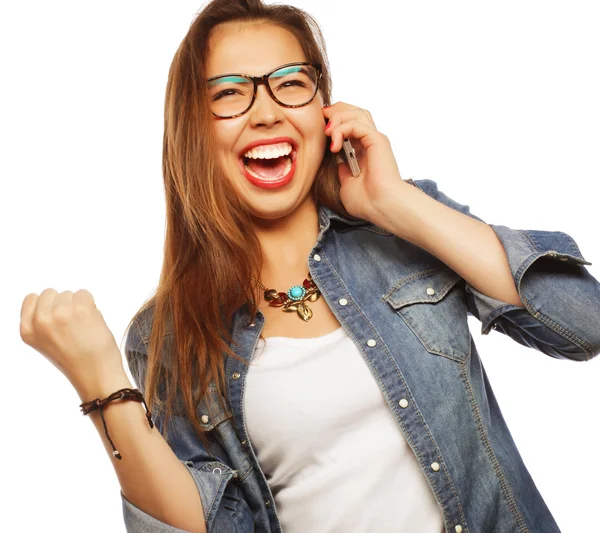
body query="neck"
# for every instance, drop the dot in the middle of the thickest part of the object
(286, 244)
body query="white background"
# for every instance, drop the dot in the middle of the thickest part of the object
(496, 103)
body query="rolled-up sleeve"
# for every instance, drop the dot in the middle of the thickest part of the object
(561, 317)
(137, 521)
(210, 485)
(224, 506)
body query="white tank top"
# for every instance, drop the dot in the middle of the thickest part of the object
(333, 455)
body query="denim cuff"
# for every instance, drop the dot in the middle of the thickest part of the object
(545, 266)
(211, 480)
(137, 521)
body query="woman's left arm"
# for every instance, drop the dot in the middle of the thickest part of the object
(466, 244)
(528, 284)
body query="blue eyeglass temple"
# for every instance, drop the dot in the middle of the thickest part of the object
(239, 79)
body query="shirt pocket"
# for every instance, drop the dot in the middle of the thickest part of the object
(432, 303)
(212, 409)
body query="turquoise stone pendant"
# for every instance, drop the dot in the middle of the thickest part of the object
(296, 292)
(295, 299)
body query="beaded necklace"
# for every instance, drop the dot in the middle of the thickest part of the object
(295, 299)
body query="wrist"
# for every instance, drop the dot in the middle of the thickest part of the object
(399, 212)
(103, 386)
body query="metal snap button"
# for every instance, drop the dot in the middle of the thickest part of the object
(371, 342)
(435, 467)
(215, 470)
(317, 257)
(343, 301)
(458, 529)
(204, 419)
(430, 291)
(235, 375)
(403, 403)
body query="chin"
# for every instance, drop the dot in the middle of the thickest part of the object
(276, 203)
(274, 213)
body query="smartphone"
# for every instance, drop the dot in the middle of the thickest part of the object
(349, 157)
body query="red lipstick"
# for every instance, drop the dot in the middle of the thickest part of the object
(265, 183)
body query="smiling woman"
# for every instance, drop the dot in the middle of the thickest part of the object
(306, 357)
(263, 194)
(268, 163)
(278, 100)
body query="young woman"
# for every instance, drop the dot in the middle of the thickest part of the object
(306, 356)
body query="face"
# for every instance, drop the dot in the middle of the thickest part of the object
(255, 50)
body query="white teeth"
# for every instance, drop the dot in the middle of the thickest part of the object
(284, 172)
(270, 151)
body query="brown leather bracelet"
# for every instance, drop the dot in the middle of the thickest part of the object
(121, 394)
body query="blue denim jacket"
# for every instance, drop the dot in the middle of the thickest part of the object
(406, 311)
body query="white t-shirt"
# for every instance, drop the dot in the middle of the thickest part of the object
(334, 457)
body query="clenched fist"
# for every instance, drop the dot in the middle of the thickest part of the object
(69, 330)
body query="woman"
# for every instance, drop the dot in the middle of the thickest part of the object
(376, 415)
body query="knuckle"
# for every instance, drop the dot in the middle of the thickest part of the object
(83, 310)
(84, 298)
(83, 292)
(26, 333)
(28, 305)
(61, 314)
(31, 296)
(49, 290)
(42, 320)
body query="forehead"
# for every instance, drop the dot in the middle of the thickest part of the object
(250, 48)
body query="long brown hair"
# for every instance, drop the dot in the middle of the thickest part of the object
(211, 253)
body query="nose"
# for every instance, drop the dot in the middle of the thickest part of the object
(265, 111)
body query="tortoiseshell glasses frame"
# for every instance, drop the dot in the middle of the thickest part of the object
(264, 80)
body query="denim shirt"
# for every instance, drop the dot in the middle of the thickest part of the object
(406, 311)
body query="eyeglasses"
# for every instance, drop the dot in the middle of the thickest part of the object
(290, 85)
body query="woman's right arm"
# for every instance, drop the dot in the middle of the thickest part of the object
(155, 484)
(166, 487)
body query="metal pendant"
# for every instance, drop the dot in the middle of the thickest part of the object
(289, 304)
(304, 312)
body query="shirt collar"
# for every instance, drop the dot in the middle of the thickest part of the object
(326, 215)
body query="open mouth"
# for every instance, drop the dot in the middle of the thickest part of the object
(269, 169)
